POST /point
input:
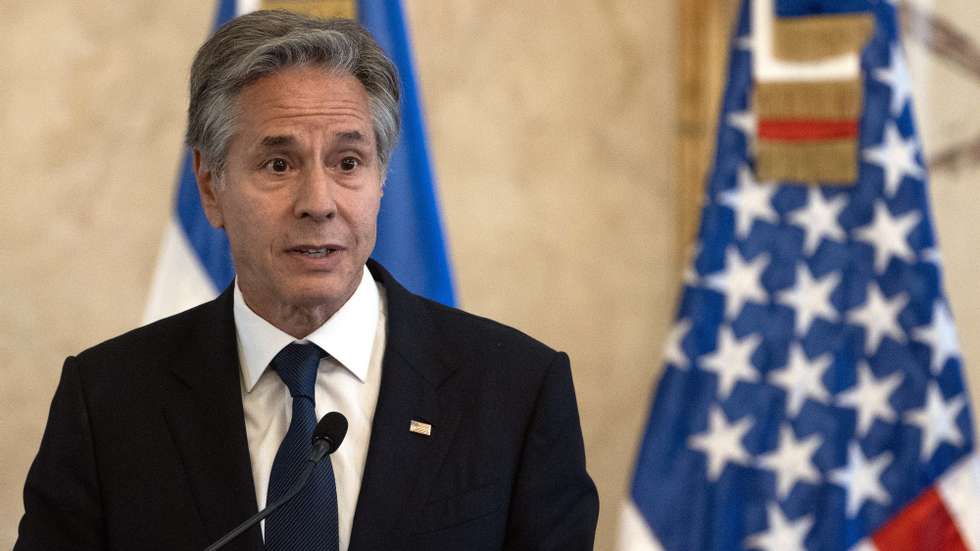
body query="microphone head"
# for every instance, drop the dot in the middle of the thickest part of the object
(331, 429)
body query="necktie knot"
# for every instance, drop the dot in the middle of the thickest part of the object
(297, 364)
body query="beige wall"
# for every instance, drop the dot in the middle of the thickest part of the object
(550, 124)
(91, 101)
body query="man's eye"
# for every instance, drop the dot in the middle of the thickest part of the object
(277, 165)
(348, 164)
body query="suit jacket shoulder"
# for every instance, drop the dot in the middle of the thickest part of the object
(145, 444)
(211, 322)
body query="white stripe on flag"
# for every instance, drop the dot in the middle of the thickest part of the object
(634, 533)
(959, 488)
(179, 281)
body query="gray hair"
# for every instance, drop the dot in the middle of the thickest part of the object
(264, 42)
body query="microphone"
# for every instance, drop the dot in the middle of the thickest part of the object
(327, 437)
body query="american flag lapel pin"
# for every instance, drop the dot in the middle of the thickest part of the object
(419, 427)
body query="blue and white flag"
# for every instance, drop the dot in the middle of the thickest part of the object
(195, 259)
(813, 395)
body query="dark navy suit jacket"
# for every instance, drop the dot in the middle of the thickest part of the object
(145, 445)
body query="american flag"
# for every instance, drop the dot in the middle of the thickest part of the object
(812, 396)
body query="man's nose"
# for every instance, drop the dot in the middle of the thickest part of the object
(315, 194)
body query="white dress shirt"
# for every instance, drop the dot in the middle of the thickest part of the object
(347, 380)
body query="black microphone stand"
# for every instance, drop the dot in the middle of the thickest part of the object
(293, 490)
(327, 437)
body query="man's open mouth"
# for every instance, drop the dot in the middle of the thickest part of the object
(314, 252)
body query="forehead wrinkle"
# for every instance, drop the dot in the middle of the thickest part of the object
(289, 119)
(308, 103)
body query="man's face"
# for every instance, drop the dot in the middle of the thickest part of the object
(300, 192)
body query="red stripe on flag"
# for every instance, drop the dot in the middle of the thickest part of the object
(923, 524)
(807, 130)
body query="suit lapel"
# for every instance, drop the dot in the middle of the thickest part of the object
(207, 424)
(400, 464)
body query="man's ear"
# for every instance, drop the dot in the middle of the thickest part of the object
(206, 182)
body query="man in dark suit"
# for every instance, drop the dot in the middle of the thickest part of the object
(464, 433)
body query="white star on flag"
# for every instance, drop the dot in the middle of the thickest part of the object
(869, 398)
(940, 335)
(932, 255)
(745, 42)
(673, 351)
(722, 443)
(792, 460)
(937, 420)
(810, 298)
(889, 235)
(750, 201)
(691, 275)
(739, 281)
(879, 318)
(732, 360)
(746, 123)
(802, 379)
(818, 219)
(782, 535)
(861, 478)
(896, 77)
(896, 157)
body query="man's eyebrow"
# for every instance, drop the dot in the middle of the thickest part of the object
(352, 136)
(277, 141)
(286, 140)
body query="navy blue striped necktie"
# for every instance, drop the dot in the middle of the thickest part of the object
(309, 521)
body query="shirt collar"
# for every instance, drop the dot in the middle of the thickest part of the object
(348, 335)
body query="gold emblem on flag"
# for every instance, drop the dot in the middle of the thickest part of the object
(807, 129)
(418, 427)
(315, 8)
(820, 37)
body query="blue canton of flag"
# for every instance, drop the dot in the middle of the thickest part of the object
(812, 396)
(195, 259)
